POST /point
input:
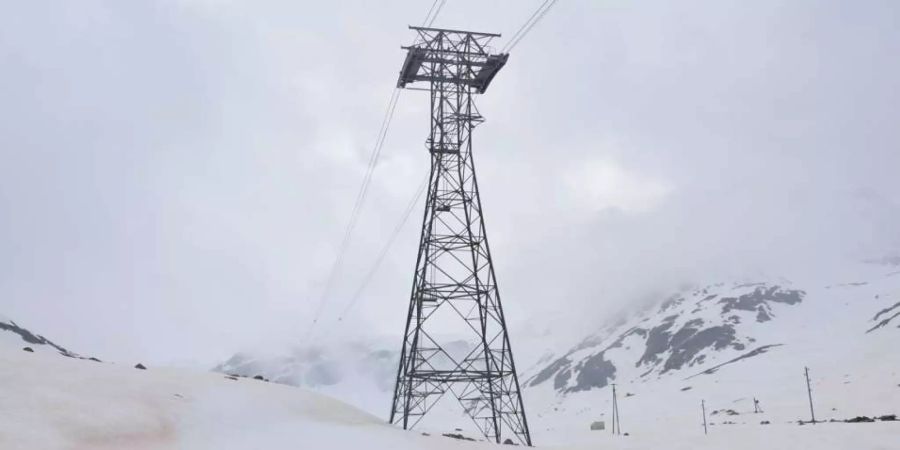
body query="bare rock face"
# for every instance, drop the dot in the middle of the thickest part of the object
(458, 436)
(701, 330)
(860, 419)
(35, 342)
(140, 366)
(31, 338)
(760, 301)
(593, 372)
(885, 316)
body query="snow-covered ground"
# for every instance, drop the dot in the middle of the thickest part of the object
(48, 401)
(53, 402)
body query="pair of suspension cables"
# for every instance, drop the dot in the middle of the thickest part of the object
(362, 194)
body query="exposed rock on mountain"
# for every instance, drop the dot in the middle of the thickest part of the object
(886, 316)
(13, 332)
(704, 327)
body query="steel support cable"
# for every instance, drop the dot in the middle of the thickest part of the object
(410, 207)
(430, 10)
(357, 207)
(432, 15)
(535, 17)
(429, 19)
(522, 28)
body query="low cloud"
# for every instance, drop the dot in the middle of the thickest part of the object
(600, 184)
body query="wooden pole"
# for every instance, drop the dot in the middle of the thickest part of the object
(612, 412)
(618, 418)
(703, 407)
(615, 409)
(812, 412)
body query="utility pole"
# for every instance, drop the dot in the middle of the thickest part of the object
(613, 428)
(812, 412)
(703, 407)
(616, 422)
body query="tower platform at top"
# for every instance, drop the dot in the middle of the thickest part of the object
(453, 57)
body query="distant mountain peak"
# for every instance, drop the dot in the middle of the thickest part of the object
(713, 324)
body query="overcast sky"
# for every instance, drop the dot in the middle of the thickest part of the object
(176, 175)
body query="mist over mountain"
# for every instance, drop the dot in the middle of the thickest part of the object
(724, 341)
(691, 201)
(690, 147)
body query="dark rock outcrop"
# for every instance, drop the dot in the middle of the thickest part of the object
(549, 371)
(32, 338)
(594, 372)
(886, 320)
(458, 436)
(657, 341)
(860, 419)
(36, 340)
(717, 338)
(760, 299)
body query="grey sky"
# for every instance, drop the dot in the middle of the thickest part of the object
(175, 176)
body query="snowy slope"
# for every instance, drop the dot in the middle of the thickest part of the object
(52, 402)
(727, 343)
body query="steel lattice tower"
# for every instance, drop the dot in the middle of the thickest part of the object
(454, 283)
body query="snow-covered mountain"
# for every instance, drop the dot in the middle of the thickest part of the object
(724, 342)
(703, 329)
(727, 343)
